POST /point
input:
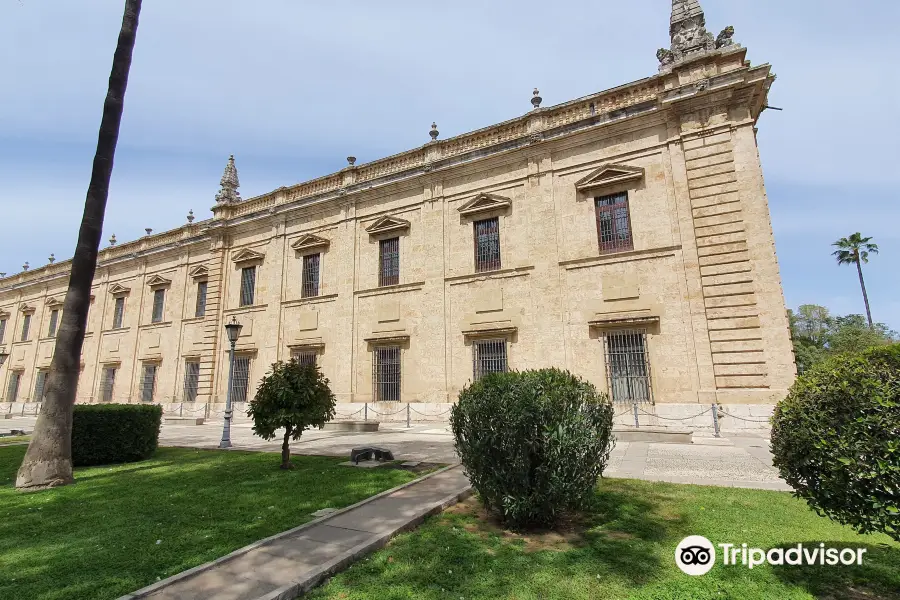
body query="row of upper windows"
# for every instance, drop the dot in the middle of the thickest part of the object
(26, 326)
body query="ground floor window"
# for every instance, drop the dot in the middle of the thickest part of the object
(107, 382)
(241, 383)
(627, 365)
(488, 356)
(40, 382)
(148, 382)
(12, 390)
(307, 358)
(386, 373)
(191, 380)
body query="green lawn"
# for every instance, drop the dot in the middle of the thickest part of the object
(14, 439)
(123, 527)
(623, 549)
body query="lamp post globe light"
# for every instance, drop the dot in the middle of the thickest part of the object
(233, 330)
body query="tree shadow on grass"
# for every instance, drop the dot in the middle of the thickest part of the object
(877, 577)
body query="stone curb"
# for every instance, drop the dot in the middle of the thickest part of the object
(146, 591)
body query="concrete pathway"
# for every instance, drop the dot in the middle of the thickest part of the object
(736, 460)
(288, 564)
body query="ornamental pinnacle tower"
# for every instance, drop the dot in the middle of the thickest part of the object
(623, 236)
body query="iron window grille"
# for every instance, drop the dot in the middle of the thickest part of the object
(487, 245)
(307, 358)
(107, 383)
(39, 383)
(488, 356)
(159, 303)
(148, 382)
(627, 366)
(241, 383)
(200, 310)
(12, 390)
(119, 312)
(248, 285)
(54, 320)
(614, 223)
(191, 380)
(26, 325)
(389, 261)
(310, 286)
(2, 330)
(386, 373)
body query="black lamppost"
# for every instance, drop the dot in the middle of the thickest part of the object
(233, 330)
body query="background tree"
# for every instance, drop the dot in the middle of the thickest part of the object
(292, 397)
(48, 461)
(855, 250)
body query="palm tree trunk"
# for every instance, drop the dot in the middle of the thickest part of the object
(48, 461)
(862, 284)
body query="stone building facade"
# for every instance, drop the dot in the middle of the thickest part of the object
(624, 236)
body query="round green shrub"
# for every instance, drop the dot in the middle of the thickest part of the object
(836, 439)
(104, 434)
(533, 443)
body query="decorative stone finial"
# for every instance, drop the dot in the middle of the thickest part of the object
(112, 240)
(52, 258)
(228, 194)
(536, 99)
(687, 29)
(351, 160)
(190, 216)
(434, 133)
(148, 230)
(25, 267)
(724, 40)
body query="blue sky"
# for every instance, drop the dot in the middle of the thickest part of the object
(292, 88)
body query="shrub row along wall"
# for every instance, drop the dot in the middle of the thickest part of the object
(114, 433)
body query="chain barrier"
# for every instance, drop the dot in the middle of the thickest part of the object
(381, 414)
(446, 412)
(728, 414)
(671, 419)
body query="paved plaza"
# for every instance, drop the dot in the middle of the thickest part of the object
(735, 460)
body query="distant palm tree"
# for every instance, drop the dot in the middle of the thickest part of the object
(855, 250)
(48, 460)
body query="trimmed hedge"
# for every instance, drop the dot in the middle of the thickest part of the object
(114, 433)
(533, 443)
(836, 439)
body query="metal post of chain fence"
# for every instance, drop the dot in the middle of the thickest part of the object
(715, 412)
(366, 411)
(636, 422)
(407, 415)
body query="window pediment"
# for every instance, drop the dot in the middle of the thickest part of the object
(483, 203)
(387, 225)
(247, 256)
(310, 242)
(27, 309)
(609, 175)
(54, 302)
(118, 290)
(199, 272)
(4, 314)
(157, 281)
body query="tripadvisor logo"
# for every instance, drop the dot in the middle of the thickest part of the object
(696, 555)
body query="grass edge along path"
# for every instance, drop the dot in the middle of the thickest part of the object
(623, 548)
(123, 527)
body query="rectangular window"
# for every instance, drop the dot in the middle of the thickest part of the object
(488, 356)
(2, 330)
(12, 391)
(54, 320)
(200, 310)
(159, 303)
(386, 373)
(614, 223)
(119, 312)
(310, 287)
(191, 380)
(148, 382)
(305, 357)
(241, 379)
(26, 325)
(389, 262)
(627, 366)
(487, 245)
(40, 382)
(107, 382)
(248, 285)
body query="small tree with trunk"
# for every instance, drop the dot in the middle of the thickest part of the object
(292, 397)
